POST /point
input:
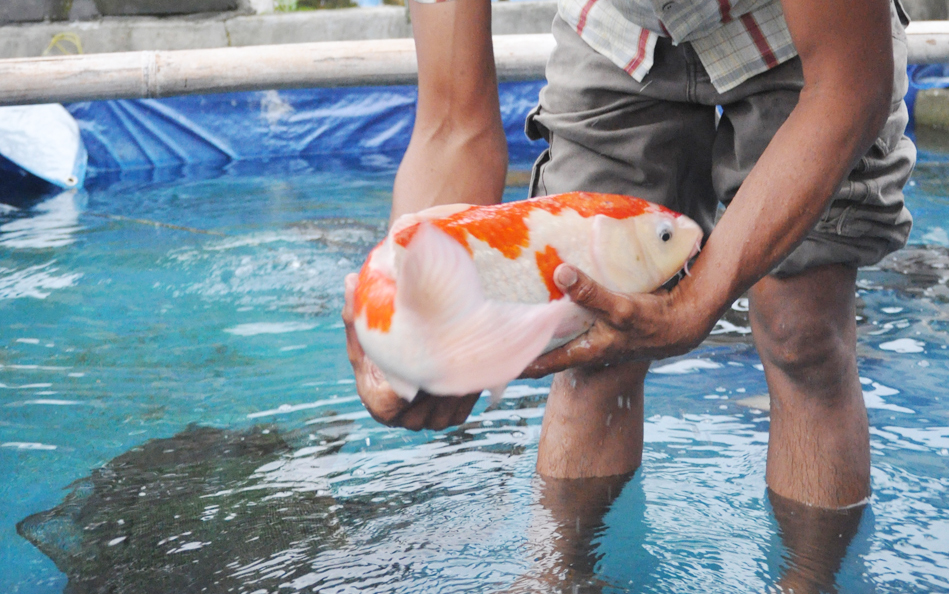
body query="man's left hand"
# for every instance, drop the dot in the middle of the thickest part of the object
(627, 327)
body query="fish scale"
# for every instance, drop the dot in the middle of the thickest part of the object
(504, 279)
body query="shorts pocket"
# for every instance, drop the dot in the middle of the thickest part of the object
(534, 130)
(537, 187)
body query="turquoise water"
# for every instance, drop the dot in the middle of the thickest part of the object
(177, 413)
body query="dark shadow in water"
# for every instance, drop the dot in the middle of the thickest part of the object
(123, 529)
(199, 512)
(916, 271)
(213, 510)
(21, 189)
(814, 542)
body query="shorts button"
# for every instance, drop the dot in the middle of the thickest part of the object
(668, 6)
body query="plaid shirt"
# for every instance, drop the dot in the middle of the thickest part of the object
(735, 39)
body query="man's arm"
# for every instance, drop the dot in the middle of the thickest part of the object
(458, 153)
(846, 53)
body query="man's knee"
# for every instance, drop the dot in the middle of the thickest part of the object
(805, 326)
(800, 345)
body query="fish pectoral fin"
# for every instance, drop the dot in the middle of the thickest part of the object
(437, 281)
(608, 249)
(491, 346)
(471, 343)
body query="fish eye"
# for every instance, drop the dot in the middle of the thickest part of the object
(664, 232)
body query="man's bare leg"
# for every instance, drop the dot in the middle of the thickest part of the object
(805, 330)
(593, 423)
(591, 443)
(815, 542)
(562, 541)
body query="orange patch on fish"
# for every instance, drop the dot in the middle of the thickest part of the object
(504, 226)
(375, 294)
(548, 261)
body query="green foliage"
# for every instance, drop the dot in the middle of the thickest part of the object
(294, 5)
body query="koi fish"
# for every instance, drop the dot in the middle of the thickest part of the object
(460, 298)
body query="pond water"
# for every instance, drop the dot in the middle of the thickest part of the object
(177, 414)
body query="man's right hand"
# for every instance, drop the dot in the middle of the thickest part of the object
(424, 412)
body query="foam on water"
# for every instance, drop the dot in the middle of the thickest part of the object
(177, 412)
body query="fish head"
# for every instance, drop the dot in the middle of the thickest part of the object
(640, 253)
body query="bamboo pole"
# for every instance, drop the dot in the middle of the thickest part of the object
(126, 75)
(64, 79)
(928, 42)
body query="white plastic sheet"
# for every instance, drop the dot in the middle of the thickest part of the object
(44, 140)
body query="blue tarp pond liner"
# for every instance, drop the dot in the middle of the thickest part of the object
(925, 76)
(218, 129)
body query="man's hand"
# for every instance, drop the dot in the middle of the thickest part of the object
(627, 327)
(424, 412)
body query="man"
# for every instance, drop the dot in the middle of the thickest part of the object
(809, 156)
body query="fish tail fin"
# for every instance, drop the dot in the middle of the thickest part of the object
(497, 392)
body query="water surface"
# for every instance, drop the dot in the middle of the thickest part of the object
(177, 413)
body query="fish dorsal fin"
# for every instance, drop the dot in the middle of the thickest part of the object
(429, 214)
(441, 211)
(473, 343)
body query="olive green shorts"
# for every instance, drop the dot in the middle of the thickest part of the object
(661, 140)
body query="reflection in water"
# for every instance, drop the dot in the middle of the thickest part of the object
(34, 281)
(569, 541)
(566, 532)
(52, 224)
(815, 541)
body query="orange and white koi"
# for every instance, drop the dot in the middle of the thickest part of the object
(461, 298)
